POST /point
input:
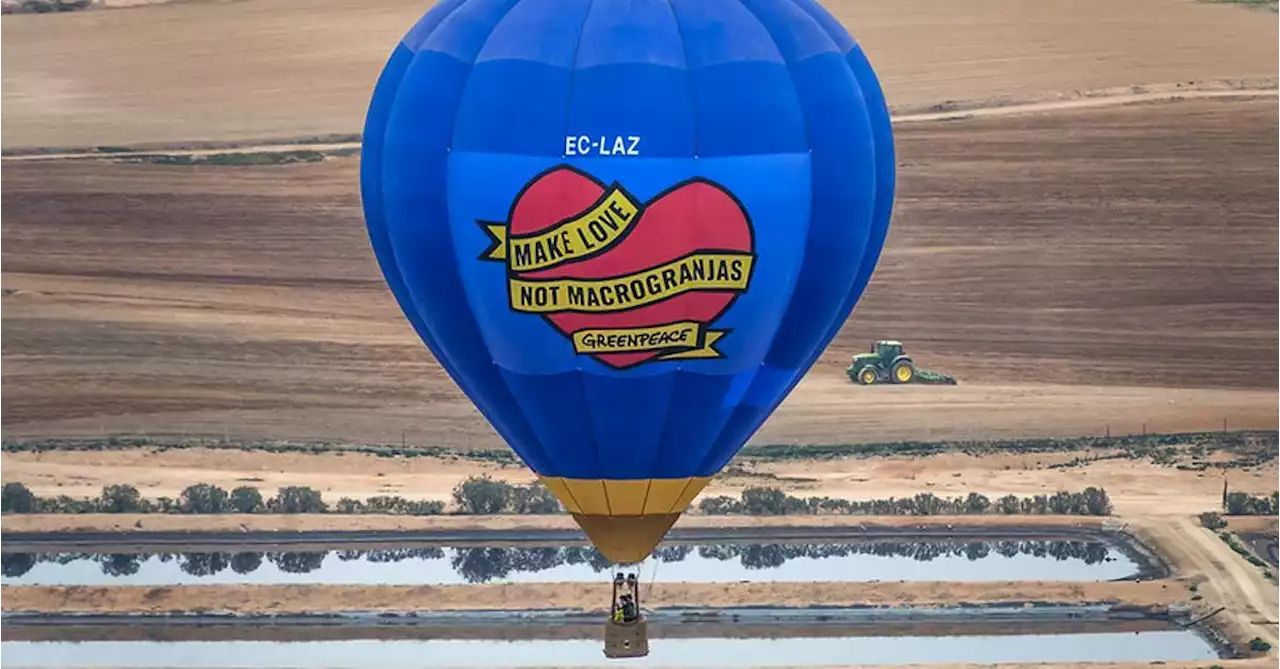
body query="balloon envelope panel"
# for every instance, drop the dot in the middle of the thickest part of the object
(627, 227)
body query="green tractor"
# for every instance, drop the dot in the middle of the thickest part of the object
(888, 362)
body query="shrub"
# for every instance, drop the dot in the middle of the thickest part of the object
(482, 495)
(203, 498)
(427, 507)
(720, 505)
(297, 499)
(121, 499)
(246, 499)
(348, 505)
(166, 505)
(17, 498)
(1212, 520)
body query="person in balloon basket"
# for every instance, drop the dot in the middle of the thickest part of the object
(627, 610)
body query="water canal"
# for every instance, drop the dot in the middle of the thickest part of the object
(1148, 646)
(864, 561)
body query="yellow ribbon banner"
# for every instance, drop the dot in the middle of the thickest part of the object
(714, 270)
(682, 340)
(586, 234)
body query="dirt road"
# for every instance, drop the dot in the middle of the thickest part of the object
(1223, 577)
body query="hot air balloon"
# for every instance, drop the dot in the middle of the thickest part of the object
(626, 228)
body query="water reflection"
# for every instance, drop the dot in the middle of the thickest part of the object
(489, 564)
(1159, 646)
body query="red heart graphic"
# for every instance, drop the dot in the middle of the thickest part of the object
(694, 216)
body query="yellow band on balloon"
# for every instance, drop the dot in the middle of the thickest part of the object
(704, 270)
(616, 497)
(584, 235)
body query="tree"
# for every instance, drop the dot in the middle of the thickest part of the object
(482, 495)
(1238, 504)
(16, 498)
(246, 499)
(203, 498)
(298, 499)
(1009, 505)
(763, 501)
(1096, 502)
(976, 503)
(121, 499)
(1060, 502)
(927, 504)
(534, 499)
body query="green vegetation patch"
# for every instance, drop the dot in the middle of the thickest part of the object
(769, 501)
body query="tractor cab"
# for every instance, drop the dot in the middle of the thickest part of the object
(626, 632)
(887, 350)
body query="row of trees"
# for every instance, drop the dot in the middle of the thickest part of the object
(476, 495)
(483, 495)
(767, 501)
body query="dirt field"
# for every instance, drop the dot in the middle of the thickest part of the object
(164, 73)
(319, 598)
(1035, 257)
(1136, 487)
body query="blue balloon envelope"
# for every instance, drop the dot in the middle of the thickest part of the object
(626, 228)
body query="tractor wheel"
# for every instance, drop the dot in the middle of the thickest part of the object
(867, 376)
(904, 372)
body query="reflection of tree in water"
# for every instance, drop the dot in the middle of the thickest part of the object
(763, 557)
(398, 554)
(586, 555)
(482, 565)
(118, 564)
(204, 564)
(672, 553)
(536, 559)
(245, 563)
(17, 564)
(298, 562)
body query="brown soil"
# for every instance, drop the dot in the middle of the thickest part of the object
(305, 67)
(1136, 487)
(1065, 274)
(1223, 578)
(320, 598)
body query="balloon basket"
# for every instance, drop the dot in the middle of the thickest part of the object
(626, 640)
